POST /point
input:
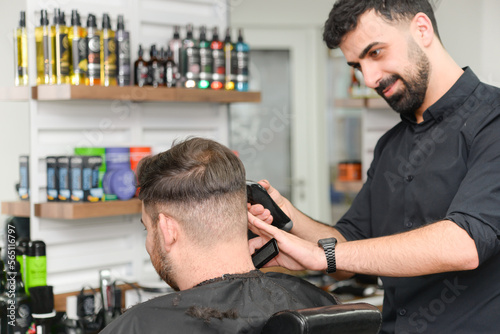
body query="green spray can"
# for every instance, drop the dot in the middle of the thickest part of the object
(36, 265)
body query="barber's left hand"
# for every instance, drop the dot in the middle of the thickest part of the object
(294, 253)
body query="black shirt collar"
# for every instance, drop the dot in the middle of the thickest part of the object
(449, 102)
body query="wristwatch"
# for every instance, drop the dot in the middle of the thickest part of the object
(328, 246)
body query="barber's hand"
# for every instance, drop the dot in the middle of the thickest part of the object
(294, 253)
(263, 214)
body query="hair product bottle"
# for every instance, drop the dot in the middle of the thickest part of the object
(123, 53)
(18, 302)
(218, 67)
(175, 46)
(140, 70)
(36, 265)
(206, 60)
(190, 60)
(21, 52)
(94, 52)
(44, 56)
(170, 70)
(154, 75)
(229, 58)
(242, 61)
(77, 37)
(108, 53)
(3, 302)
(61, 50)
(162, 60)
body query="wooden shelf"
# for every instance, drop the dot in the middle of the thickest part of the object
(16, 208)
(59, 210)
(15, 93)
(351, 187)
(369, 103)
(140, 94)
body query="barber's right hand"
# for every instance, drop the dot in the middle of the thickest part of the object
(295, 253)
(264, 214)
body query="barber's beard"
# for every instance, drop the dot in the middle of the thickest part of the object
(162, 264)
(415, 81)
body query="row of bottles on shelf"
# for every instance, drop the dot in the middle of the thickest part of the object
(90, 56)
(190, 63)
(92, 174)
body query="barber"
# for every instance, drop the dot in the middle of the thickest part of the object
(427, 220)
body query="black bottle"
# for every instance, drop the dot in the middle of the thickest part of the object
(16, 299)
(3, 303)
(154, 75)
(140, 70)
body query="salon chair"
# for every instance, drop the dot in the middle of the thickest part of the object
(359, 318)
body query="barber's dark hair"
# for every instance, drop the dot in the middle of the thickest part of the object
(199, 182)
(345, 15)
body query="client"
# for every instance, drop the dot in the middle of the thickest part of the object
(195, 213)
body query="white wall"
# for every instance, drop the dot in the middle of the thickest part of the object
(14, 116)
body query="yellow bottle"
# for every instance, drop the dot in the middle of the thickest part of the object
(77, 37)
(61, 48)
(93, 53)
(229, 60)
(44, 52)
(21, 53)
(108, 53)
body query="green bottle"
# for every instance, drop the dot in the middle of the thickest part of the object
(36, 265)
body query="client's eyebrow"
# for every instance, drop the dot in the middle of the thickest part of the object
(142, 222)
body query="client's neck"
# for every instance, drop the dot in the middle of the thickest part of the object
(197, 266)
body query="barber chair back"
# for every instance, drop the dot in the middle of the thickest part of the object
(359, 318)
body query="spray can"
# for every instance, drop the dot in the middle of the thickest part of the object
(123, 53)
(170, 70)
(21, 52)
(140, 69)
(77, 37)
(218, 67)
(36, 265)
(242, 61)
(190, 60)
(94, 52)
(229, 58)
(175, 46)
(206, 60)
(44, 54)
(61, 48)
(108, 53)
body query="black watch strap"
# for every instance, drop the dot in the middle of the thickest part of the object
(328, 246)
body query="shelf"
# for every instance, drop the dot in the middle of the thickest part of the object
(16, 208)
(369, 103)
(351, 187)
(59, 210)
(140, 94)
(15, 93)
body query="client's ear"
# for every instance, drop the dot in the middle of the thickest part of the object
(168, 229)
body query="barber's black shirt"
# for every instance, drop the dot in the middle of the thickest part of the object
(445, 168)
(229, 305)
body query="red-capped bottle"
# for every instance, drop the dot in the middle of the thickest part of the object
(219, 68)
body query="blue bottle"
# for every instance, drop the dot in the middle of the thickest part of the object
(242, 56)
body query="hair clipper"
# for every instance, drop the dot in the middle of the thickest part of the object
(258, 195)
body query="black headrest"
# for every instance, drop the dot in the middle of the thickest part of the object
(360, 318)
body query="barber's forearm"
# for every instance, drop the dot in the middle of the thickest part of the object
(439, 247)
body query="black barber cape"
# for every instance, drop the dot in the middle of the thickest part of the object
(230, 304)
